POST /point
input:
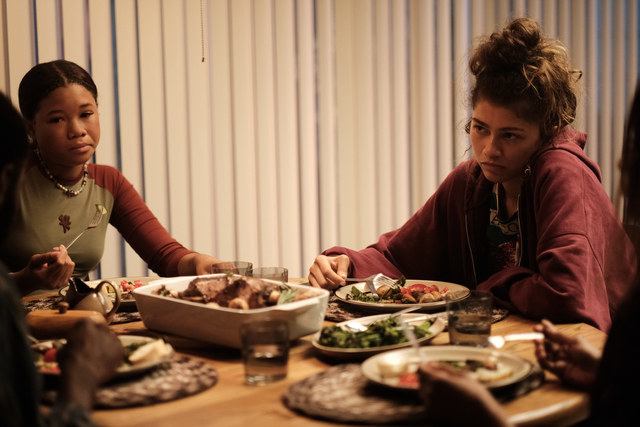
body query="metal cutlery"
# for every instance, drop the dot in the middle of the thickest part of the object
(355, 326)
(95, 221)
(373, 281)
(498, 341)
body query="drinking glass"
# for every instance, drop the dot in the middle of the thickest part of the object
(280, 274)
(470, 319)
(243, 268)
(265, 351)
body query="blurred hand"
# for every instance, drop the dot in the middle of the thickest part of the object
(572, 359)
(329, 272)
(453, 397)
(196, 264)
(90, 358)
(51, 270)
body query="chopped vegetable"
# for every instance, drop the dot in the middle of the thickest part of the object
(383, 332)
(399, 294)
(50, 355)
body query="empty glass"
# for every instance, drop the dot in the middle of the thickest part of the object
(272, 273)
(470, 319)
(244, 268)
(265, 351)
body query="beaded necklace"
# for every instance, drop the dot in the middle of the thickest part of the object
(67, 191)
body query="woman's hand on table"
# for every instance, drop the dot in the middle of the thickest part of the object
(196, 264)
(51, 270)
(329, 272)
(572, 359)
(91, 356)
(453, 397)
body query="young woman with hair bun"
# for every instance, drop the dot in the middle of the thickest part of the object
(525, 218)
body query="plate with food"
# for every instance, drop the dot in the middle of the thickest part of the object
(141, 354)
(126, 286)
(366, 336)
(429, 295)
(398, 368)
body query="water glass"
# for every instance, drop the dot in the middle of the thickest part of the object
(265, 351)
(243, 268)
(470, 319)
(280, 274)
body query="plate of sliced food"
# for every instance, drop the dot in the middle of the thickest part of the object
(494, 369)
(141, 354)
(429, 295)
(366, 336)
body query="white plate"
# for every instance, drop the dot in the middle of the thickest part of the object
(520, 367)
(124, 370)
(437, 326)
(128, 302)
(456, 292)
(131, 370)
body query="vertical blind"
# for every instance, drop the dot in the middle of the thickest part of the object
(268, 130)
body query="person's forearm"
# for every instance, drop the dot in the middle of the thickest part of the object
(186, 265)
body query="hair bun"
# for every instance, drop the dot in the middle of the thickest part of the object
(516, 45)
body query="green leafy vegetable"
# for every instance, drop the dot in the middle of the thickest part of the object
(287, 294)
(383, 332)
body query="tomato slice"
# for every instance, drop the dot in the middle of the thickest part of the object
(49, 356)
(417, 287)
(410, 379)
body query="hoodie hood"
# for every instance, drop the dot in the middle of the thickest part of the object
(572, 141)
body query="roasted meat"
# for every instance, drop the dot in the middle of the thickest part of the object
(231, 291)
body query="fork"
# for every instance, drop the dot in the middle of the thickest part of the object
(95, 221)
(498, 341)
(355, 326)
(371, 281)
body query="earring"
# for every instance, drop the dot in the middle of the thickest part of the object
(526, 172)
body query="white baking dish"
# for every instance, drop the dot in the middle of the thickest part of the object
(220, 325)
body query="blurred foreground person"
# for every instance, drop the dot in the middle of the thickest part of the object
(92, 353)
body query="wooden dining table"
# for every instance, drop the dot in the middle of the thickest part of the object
(230, 402)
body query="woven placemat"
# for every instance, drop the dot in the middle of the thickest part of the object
(51, 303)
(339, 311)
(181, 376)
(343, 394)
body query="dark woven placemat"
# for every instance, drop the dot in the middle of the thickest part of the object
(181, 376)
(339, 311)
(51, 303)
(343, 394)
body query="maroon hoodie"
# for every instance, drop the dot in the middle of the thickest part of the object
(576, 260)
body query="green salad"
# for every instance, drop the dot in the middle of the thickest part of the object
(383, 332)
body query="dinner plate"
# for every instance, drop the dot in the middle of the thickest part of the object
(436, 327)
(127, 302)
(125, 370)
(371, 368)
(456, 292)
